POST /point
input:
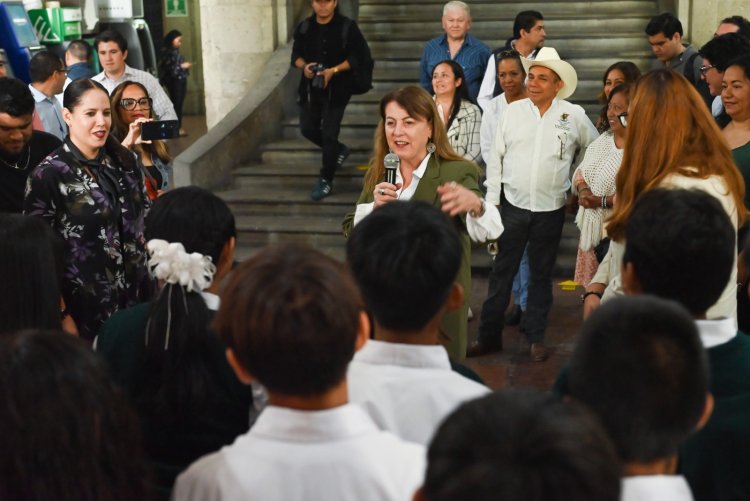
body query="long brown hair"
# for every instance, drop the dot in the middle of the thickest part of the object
(120, 126)
(670, 131)
(418, 104)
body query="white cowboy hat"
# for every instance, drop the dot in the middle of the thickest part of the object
(548, 57)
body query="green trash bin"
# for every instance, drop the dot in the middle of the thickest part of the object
(48, 24)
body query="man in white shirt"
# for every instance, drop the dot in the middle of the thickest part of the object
(641, 368)
(529, 34)
(407, 275)
(112, 49)
(291, 319)
(48, 75)
(536, 143)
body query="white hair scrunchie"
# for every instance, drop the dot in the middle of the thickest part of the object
(170, 262)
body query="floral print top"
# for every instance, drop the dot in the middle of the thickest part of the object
(106, 267)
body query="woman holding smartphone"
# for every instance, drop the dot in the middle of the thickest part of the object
(132, 106)
(90, 191)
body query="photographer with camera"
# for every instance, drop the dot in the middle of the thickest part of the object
(327, 46)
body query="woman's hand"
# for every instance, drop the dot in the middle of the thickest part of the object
(186, 65)
(385, 193)
(134, 134)
(589, 201)
(457, 199)
(307, 70)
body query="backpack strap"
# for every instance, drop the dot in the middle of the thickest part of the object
(687, 71)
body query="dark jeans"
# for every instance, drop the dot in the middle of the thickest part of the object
(177, 89)
(542, 231)
(320, 122)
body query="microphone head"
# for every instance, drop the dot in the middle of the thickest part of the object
(391, 161)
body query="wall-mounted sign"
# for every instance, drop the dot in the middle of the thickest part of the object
(115, 9)
(176, 8)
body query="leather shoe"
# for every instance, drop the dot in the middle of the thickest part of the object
(479, 348)
(513, 317)
(538, 352)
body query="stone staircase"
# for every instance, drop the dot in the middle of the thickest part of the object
(271, 199)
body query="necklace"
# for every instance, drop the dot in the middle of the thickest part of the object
(15, 165)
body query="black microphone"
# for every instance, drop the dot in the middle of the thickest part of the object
(392, 163)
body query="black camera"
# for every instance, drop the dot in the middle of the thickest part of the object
(318, 81)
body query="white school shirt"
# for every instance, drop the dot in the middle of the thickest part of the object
(163, 108)
(488, 226)
(533, 154)
(290, 455)
(655, 488)
(408, 389)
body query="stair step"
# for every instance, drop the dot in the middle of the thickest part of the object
(624, 46)
(409, 29)
(398, 10)
(296, 170)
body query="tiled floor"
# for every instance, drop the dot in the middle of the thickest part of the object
(512, 366)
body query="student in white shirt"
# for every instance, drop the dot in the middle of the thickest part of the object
(521, 445)
(716, 459)
(291, 319)
(536, 144)
(640, 366)
(405, 258)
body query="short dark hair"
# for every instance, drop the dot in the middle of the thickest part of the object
(742, 24)
(664, 23)
(722, 49)
(291, 316)
(111, 36)
(509, 54)
(15, 97)
(77, 88)
(521, 445)
(68, 432)
(43, 65)
(31, 263)
(743, 62)
(640, 366)
(682, 246)
(405, 257)
(80, 50)
(525, 20)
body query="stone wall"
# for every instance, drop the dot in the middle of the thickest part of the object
(701, 17)
(238, 38)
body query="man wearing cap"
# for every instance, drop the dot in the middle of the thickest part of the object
(537, 141)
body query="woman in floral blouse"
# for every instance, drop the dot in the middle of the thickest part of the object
(91, 192)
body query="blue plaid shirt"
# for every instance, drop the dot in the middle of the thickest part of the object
(472, 56)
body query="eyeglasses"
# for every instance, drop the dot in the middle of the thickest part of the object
(129, 104)
(63, 70)
(623, 118)
(704, 69)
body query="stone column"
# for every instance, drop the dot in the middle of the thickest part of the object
(704, 15)
(238, 37)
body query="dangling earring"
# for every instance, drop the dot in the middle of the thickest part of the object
(430, 146)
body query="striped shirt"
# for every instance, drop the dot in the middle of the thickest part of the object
(163, 109)
(472, 56)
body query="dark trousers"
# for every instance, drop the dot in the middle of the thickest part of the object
(177, 89)
(320, 122)
(542, 231)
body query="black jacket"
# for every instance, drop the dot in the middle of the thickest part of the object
(324, 43)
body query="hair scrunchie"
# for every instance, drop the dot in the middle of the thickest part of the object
(171, 263)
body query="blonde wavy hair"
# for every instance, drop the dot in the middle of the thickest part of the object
(418, 104)
(670, 131)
